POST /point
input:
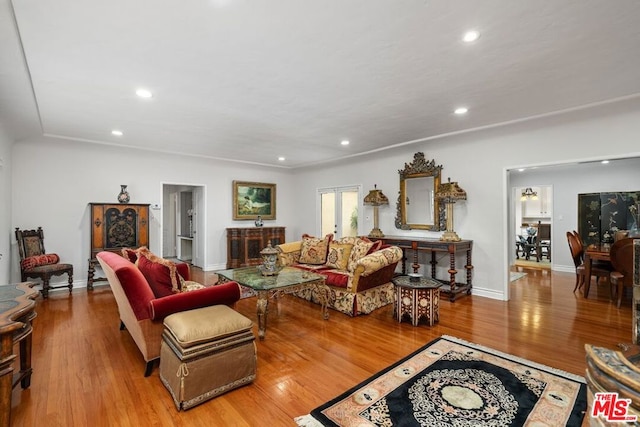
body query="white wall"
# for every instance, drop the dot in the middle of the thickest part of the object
(479, 162)
(6, 144)
(54, 180)
(568, 181)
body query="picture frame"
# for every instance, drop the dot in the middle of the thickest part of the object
(254, 199)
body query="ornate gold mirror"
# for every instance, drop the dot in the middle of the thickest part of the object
(417, 206)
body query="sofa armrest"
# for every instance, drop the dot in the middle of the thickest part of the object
(289, 253)
(373, 262)
(226, 293)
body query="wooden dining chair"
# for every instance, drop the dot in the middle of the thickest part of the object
(622, 262)
(577, 254)
(543, 241)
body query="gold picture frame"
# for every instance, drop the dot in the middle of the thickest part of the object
(253, 199)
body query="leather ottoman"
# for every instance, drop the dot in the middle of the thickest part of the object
(206, 352)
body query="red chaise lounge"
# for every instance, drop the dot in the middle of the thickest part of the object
(142, 313)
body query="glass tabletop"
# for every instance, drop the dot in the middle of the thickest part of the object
(421, 283)
(252, 277)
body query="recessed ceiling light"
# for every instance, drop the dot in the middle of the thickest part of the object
(604, 162)
(344, 142)
(461, 110)
(521, 170)
(144, 93)
(282, 159)
(470, 36)
(116, 132)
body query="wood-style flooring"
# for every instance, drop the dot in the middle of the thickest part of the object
(87, 372)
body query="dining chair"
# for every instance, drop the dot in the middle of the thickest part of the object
(526, 246)
(622, 262)
(543, 241)
(579, 237)
(598, 269)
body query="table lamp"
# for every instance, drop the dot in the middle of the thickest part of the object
(449, 193)
(375, 198)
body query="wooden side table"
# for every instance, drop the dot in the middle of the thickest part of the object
(417, 299)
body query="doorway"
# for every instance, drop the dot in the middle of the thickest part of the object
(183, 224)
(339, 211)
(533, 207)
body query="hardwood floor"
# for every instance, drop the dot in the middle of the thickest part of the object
(88, 372)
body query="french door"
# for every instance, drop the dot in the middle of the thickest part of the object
(339, 210)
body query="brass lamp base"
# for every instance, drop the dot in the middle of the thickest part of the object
(450, 236)
(376, 233)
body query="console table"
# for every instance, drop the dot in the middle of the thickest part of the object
(451, 288)
(17, 310)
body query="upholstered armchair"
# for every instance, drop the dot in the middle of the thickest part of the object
(36, 263)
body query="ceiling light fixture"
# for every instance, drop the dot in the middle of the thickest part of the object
(116, 132)
(282, 159)
(521, 170)
(460, 111)
(344, 142)
(470, 36)
(144, 93)
(604, 162)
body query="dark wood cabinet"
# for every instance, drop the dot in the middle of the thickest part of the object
(244, 244)
(116, 226)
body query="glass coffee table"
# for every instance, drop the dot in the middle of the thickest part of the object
(287, 281)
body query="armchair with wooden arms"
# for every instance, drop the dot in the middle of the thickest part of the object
(35, 262)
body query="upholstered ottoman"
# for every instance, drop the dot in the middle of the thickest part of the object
(206, 352)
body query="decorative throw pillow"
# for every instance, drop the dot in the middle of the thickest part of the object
(161, 274)
(338, 256)
(189, 285)
(314, 250)
(360, 249)
(130, 254)
(377, 245)
(37, 260)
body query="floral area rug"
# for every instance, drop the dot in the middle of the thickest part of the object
(453, 382)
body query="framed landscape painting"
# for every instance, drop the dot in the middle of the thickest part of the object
(253, 199)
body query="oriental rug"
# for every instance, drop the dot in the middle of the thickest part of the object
(453, 382)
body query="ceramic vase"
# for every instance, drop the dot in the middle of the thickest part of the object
(123, 196)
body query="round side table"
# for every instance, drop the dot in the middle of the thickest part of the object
(419, 299)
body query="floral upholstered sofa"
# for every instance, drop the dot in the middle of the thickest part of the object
(357, 271)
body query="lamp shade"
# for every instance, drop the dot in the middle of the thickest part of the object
(450, 192)
(376, 197)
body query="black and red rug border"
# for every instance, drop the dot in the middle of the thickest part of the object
(525, 399)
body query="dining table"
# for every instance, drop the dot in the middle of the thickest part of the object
(601, 252)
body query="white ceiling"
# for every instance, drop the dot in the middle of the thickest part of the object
(253, 80)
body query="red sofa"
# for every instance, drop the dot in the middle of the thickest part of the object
(142, 313)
